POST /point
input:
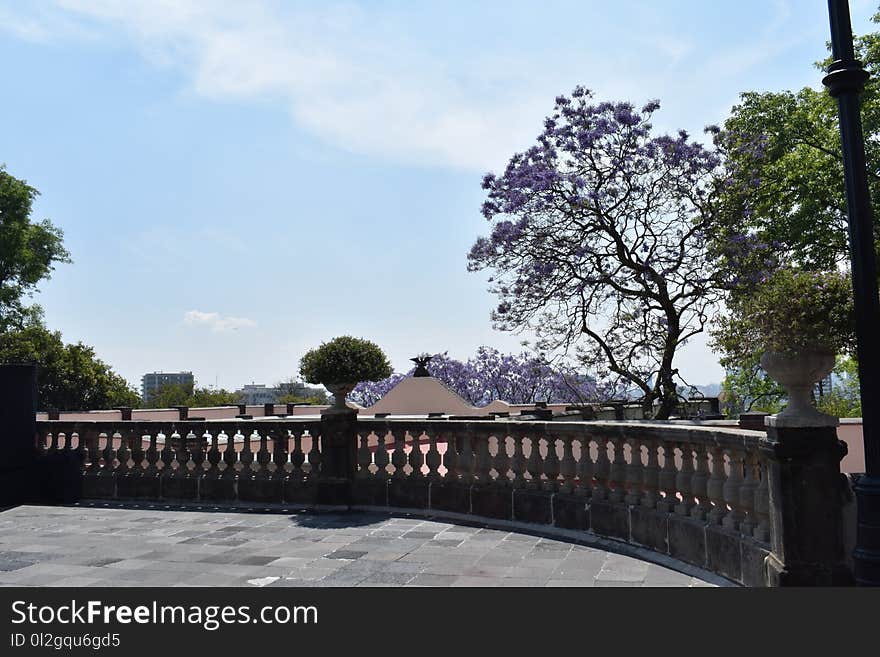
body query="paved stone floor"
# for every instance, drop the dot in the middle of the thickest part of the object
(81, 546)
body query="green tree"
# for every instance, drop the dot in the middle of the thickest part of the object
(28, 250)
(209, 397)
(843, 400)
(746, 387)
(292, 391)
(69, 376)
(788, 142)
(181, 394)
(785, 148)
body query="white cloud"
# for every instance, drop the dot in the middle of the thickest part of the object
(353, 77)
(217, 322)
(370, 83)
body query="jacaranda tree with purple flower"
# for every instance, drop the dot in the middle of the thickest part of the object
(515, 378)
(599, 242)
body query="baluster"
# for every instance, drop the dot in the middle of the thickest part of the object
(193, 449)
(483, 459)
(53, 443)
(315, 457)
(279, 453)
(568, 466)
(651, 476)
(684, 479)
(398, 456)
(166, 456)
(263, 456)
(432, 458)
(415, 456)
(699, 484)
(731, 490)
(667, 480)
(466, 459)
(715, 487)
(501, 461)
(584, 468)
(518, 462)
(109, 453)
(152, 456)
(94, 454)
(747, 495)
(297, 459)
(181, 457)
(534, 464)
(762, 503)
(246, 456)
(230, 456)
(617, 472)
(82, 451)
(634, 474)
(382, 457)
(364, 456)
(551, 466)
(214, 456)
(137, 452)
(44, 439)
(123, 453)
(602, 468)
(199, 453)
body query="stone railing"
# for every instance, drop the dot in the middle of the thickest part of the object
(239, 461)
(725, 500)
(699, 495)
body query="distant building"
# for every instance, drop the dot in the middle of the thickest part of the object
(151, 382)
(258, 393)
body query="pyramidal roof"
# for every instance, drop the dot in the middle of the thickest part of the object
(418, 395)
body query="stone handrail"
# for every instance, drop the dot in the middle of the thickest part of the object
(715, 475)
(721, 499)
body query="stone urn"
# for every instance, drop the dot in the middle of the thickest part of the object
(797, 373)
(340, 392)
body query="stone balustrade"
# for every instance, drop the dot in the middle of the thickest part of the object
(701, 495)
(272, 462)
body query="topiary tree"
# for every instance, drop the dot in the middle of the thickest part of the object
(342, 363)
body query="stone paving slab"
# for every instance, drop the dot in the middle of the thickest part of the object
(89, 546)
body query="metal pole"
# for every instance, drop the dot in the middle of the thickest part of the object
(845, 81)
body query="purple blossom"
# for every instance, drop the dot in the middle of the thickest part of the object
(515, 378)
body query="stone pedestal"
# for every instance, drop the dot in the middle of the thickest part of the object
(338, 456)
(807, 496)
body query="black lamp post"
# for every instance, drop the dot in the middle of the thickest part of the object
(845, 81)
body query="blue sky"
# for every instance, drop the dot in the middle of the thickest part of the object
(238, 182)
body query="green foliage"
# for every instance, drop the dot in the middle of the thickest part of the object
(345, 360)
(28, 250)
(297, 399)
(69, 376)
(181, 394)
(746, 387)
(843, 400)
(292, 391)
(792, 311)
(799, 202)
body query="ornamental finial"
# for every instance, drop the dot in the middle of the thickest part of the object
(421, 365)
